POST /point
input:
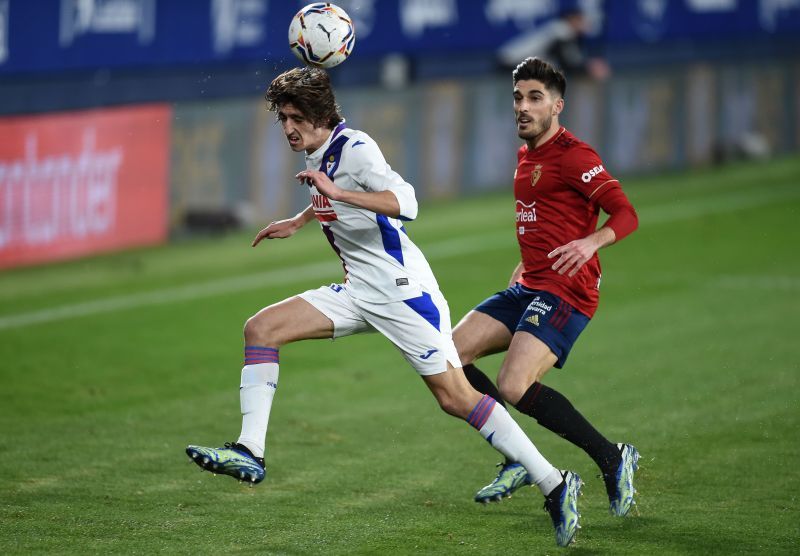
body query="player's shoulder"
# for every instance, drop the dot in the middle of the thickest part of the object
(360, 146)
(521, 152)
(360, 151)
(357, 138)
(568, 141)
(574, 149)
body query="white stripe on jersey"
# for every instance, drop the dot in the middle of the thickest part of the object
(381, 263)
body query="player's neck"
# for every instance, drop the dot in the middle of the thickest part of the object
(544, 137)
(320, 137)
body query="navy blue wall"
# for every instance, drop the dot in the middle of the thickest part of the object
(63, 54)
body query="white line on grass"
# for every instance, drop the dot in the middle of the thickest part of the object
(772, 283)
(170, 295)
(663, 214)
(729, 202)
(327, 270)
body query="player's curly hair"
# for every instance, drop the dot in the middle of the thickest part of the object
(309, 90)
(536, 68)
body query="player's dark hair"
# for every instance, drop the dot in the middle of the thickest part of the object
(539, 70)
(309, 90)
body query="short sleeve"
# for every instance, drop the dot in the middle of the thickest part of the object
(373, 173)
(583, 170)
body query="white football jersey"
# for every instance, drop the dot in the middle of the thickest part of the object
(381, 263)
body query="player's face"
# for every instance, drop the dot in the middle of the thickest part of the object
(535, 109)
(299, 131)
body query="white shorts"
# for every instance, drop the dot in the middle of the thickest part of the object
(418, 327)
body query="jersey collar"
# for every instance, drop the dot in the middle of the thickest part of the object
(550, 141)
(317, 154)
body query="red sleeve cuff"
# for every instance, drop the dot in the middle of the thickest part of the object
(622, 217)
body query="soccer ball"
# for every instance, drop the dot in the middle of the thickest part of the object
(322, 35)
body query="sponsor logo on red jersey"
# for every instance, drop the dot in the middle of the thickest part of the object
(587, 176)
(526, 214)
(322, 208)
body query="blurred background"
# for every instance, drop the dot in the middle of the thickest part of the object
(137, 159)
(133, 122)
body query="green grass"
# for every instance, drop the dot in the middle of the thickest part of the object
(693, 356)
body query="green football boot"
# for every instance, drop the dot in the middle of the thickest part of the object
(620, 486)
(234, 460)
(510, 478)
(562, 505)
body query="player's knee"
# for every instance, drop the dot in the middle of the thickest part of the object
(452, 407)
(451, 404)
(252, 330)
(466, 352)
(514, 380)
(261, 330)
(447, 406)
(466, 356)
(511, 390)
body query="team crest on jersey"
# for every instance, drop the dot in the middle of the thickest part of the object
(330, 164)
(536, 174)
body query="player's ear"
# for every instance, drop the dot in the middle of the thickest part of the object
(558, 106)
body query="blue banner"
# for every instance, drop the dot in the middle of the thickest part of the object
(39, 36)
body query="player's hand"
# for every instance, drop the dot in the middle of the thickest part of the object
(322, 182)
(572, 256)
(277, 230)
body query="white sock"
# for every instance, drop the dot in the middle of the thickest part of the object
(504, 434)
(259, 382)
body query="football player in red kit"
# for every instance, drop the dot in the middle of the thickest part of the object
(560, 186)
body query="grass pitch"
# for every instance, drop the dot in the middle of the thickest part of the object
(110, 366)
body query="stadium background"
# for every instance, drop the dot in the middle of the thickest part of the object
(694, 82)
(141, 123)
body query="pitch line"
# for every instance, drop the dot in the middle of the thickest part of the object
(327, 270)
(167, 295)
(664, 214)
(728, 202)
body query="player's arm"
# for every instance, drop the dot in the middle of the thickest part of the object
(573, 255)
(380, 202)
(584, 171)
(383, 190)
(622, 221)
(517, 274)
(285, 228)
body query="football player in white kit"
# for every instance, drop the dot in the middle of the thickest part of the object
(361, 203)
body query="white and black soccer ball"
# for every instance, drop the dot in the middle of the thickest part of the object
(322, 35)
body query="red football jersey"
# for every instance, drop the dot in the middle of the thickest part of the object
(556, 186)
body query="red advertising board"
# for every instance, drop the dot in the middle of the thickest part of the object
(77, 183)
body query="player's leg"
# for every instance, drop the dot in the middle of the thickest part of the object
(420, 329)
(538, 345)
(479, 334)
(456, 397)
(486, 330)
(320, 313)
(560, 489)
(264, 333)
